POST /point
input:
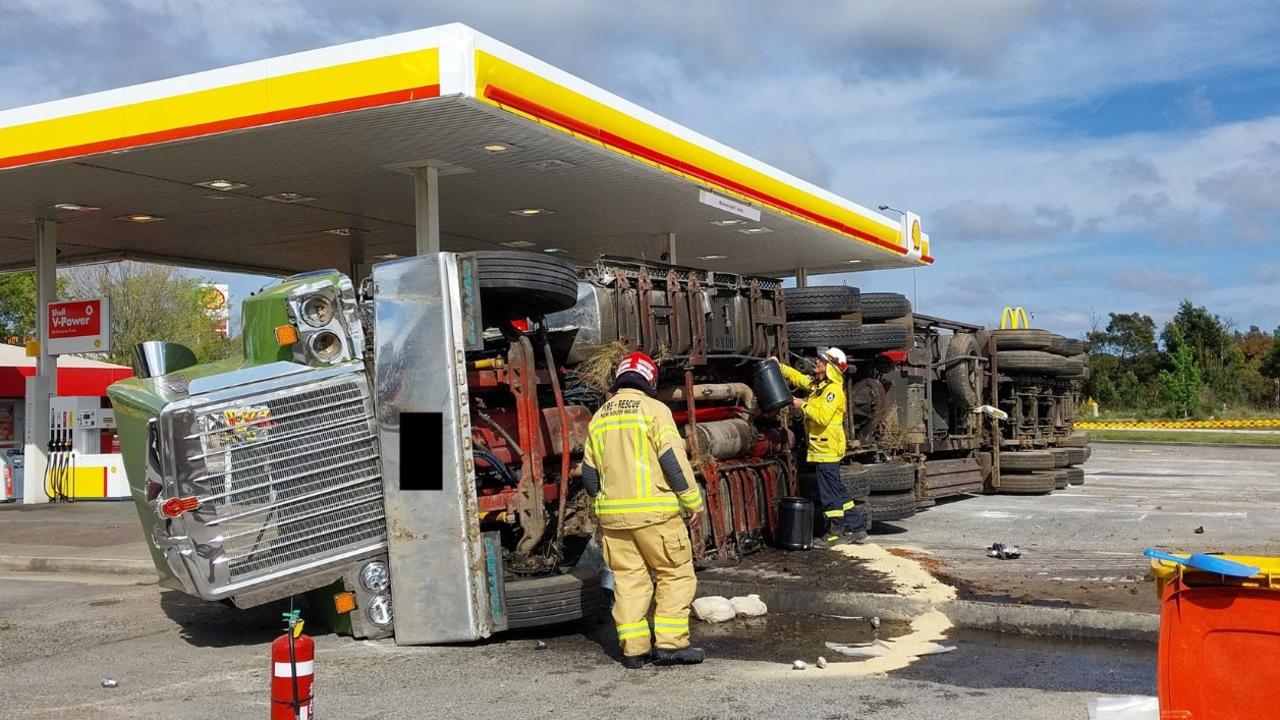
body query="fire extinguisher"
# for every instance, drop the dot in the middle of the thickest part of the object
(292, 672)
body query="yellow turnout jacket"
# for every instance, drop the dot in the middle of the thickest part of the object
(823, 412)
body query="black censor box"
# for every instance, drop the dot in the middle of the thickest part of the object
(421, 437)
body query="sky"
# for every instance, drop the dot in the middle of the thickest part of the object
(1073, 158)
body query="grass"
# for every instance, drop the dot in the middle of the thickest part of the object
(1235, 413)
(1174, 437)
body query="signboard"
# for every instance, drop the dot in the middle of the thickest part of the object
(733, 206)
(216, 299)
(79, 326)
(7, 423)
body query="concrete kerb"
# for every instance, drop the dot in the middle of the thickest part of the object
(997, 617)
(99, 566)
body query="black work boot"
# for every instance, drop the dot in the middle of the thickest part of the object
(855, 536)
(683, 656)
(634, 662)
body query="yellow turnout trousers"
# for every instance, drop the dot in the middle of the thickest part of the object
(665, 551)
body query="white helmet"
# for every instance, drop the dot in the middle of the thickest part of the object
(835, 356)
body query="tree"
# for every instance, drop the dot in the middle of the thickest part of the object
(1128, 336)
(1213, 348)
(151, 302)
(18, 305)
(1270, 365)
(1183, 384)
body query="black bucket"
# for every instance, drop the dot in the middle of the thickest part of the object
(795, 524)
(771, 388)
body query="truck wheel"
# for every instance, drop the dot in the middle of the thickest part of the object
(1060, 479)
(1075, 475)
(553, 599)
(1071, 368)
(1035, 362)
(809, 334)
(1061, 458)
(1035, 483)
(1078, 455)
(884, 306)
(890, 477)
(522, 284)
(1026, 460)
(1079, 438)
(864, 509)
(813, 303)
(877, 337)
(892, 506)
(963, 377)
(856, 481)
(1072, 347)
(1022, 339)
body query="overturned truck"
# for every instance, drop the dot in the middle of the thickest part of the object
(421, 438)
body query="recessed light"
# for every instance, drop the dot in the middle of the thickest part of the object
(342, 231)
(73, 207)
(553, 250)
(549, 164)
(712, 257)
(854, 262)
(497, 147)
(288, 197)
(727, 222)
(219, 197)
(387, 256)
(530, 212)
(140, 218)
(518, 244)
(222, 184)
(755, 231)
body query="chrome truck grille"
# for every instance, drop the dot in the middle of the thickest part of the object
(288, 477)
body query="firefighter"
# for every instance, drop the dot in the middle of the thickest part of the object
(636, 470)
(823, 414)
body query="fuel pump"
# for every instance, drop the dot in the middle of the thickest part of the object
(77, 467)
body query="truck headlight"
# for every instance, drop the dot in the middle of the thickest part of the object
(325, 345)
(317, 310)
(375, 577)
(379, 611)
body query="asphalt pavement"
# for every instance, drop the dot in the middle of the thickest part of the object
(60, 636)
(1083, 546)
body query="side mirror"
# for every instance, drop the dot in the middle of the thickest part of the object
(154, 358)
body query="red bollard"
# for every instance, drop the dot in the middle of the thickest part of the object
(292, 671)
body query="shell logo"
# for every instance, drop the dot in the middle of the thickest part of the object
(213, 299)
(915, 234)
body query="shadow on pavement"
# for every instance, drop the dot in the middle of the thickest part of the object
(208, 624)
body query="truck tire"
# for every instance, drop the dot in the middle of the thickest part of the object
(877, 337)
(1040, 482)
(553, 599)
(1026, 461)
(864, 509)
(1079, 438)
(1071, 368)
(892, 506)
(884, 306)
(1073, 346)
(1075, 475)
(1061, 458)
(856, 481)
(1078, 455)
(523, 284)
(890, 477)
(814, 303)
(807, 334)
(1057, 345)
(1036, 362)
(1060, 478)
(1022, 339)
(963, 377)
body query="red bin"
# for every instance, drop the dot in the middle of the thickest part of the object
(1219, 656)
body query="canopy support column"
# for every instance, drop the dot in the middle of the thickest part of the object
(426, 216)
(802, 277)
(671, 248)
(44, 384)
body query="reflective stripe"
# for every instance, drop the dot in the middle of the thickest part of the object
(617, 507)
(305, 668)
(834, 513)
(662, 623)
(635, 629)
(848, 505)
(691, 499)
(669, 432)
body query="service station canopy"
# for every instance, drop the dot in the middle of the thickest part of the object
(325, 144)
